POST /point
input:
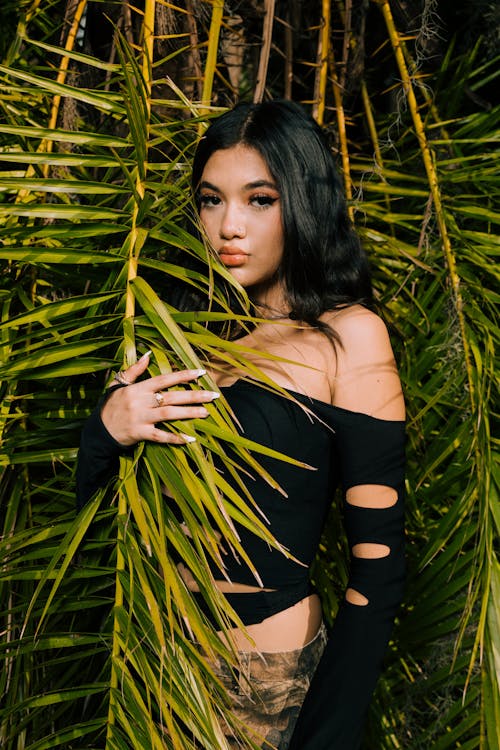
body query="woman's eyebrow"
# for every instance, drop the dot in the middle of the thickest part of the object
(249, 186)
(208, 186)
(260, 183)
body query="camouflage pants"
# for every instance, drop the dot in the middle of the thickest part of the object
(268, 690)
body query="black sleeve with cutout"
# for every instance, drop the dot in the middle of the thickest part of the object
(371, 452)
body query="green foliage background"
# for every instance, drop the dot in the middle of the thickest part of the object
(97, 130)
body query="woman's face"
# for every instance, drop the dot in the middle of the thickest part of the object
(240, 209)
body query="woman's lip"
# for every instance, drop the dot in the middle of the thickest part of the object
(232, 256)
(232, 259)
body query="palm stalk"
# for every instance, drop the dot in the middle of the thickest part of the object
(322, 72)
(211, 61)
(265, 51)
(65, 60)
(342, 133)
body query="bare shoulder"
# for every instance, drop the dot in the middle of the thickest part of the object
(361, 332)
(366, 377)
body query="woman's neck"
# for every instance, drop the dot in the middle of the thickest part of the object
(271, 302)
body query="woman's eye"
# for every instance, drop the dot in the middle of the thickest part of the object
(209, 200)
(263, 200)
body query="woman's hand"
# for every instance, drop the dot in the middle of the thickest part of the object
(130, 414)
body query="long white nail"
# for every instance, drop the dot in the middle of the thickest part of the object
(188, 438)
(214, 395)
(200, 373)
(147, 354)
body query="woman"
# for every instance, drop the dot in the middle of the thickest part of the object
(271, 204)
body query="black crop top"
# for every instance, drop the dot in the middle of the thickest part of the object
(344, 446)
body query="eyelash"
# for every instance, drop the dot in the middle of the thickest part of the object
(263, 201)
(207, 201)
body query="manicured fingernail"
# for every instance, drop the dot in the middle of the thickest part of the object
(188, 438)
(150, 351)
(199, 373)
(214, 395)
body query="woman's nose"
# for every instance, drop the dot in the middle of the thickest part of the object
(232, 224)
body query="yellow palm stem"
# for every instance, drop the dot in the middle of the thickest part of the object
(341, 126)
(63, 68)
(134, 245)
(47, 145)
(267, 35)
(213, 44)
(116, 648)
(135, 242)
(432, 177)
(323, 61)
(148, 47)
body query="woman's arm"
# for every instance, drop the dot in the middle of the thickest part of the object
(98, 456)
(370, 440)
(128, 414)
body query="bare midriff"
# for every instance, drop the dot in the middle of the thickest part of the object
(287, 630)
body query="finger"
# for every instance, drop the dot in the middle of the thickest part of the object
(174, 398)
(171, 413)
(161, 436)
(134, 371)
(169, 379)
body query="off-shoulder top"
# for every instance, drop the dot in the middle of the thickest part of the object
(344, 447)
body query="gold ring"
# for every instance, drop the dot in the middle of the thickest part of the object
(159, 398)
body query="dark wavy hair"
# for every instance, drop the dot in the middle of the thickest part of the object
(324, 266)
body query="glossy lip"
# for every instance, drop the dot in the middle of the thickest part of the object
(232, 256)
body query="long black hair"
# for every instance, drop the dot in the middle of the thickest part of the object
(324, 266)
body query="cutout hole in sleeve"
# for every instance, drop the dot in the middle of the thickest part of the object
(370, 550)
(354, 597)
(372, 496)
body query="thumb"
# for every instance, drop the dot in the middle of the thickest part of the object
(134, 371)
